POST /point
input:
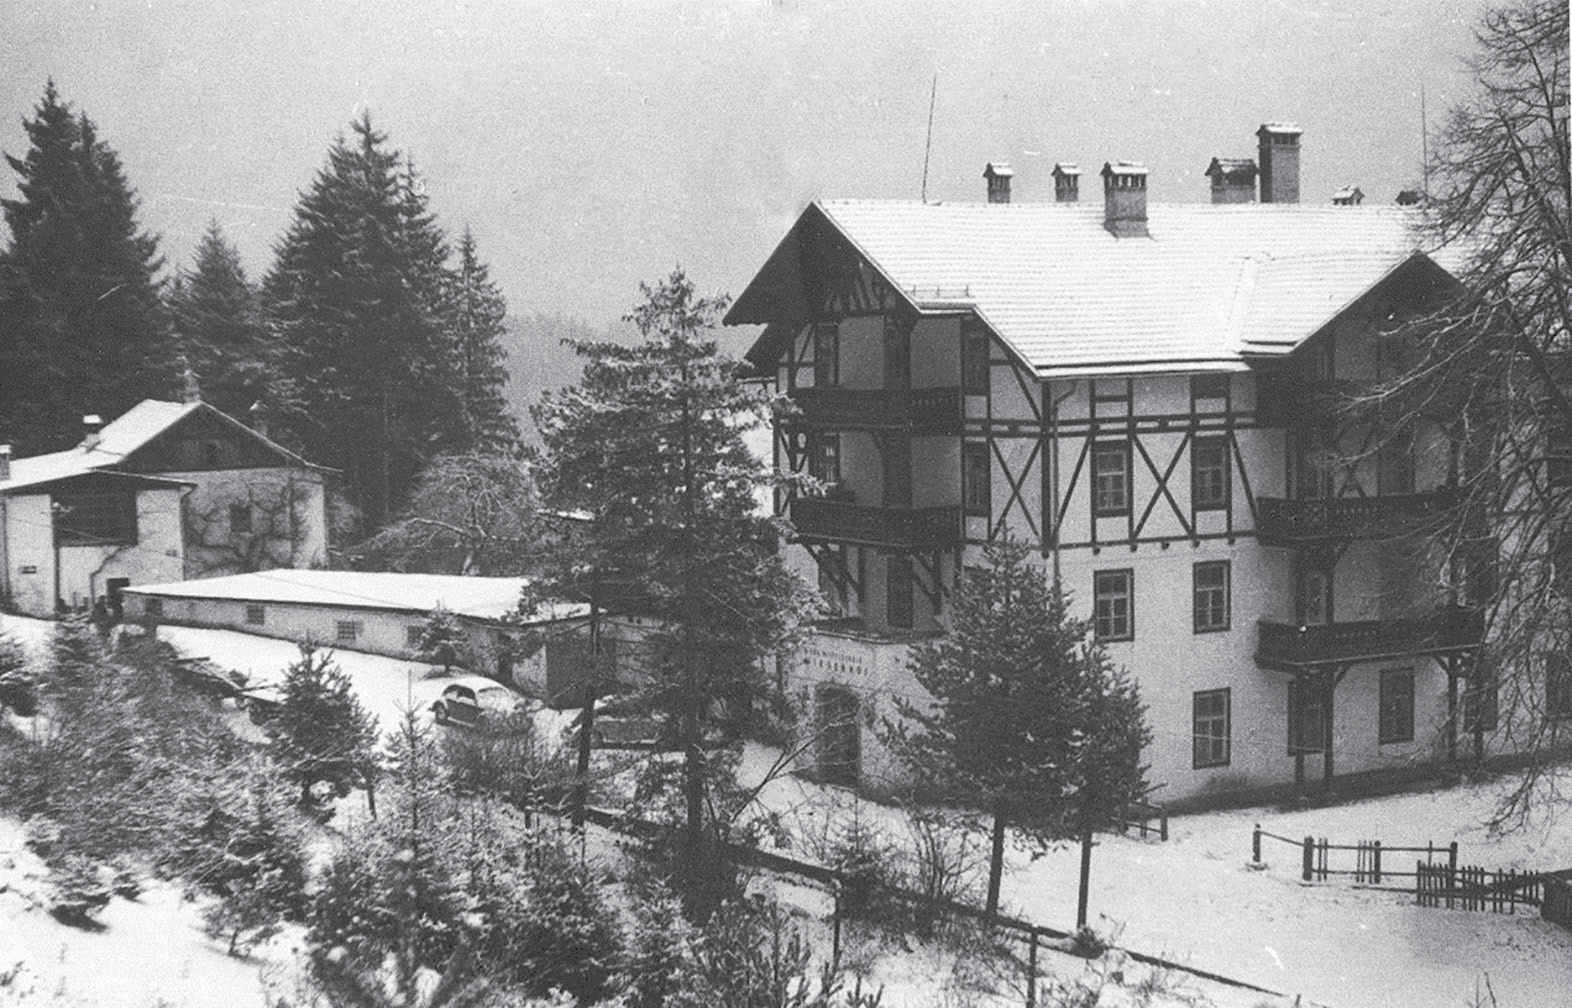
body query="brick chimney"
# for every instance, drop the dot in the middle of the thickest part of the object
(5, 462)
(1348, 196)
(998, 174)
(1124, 199)
(1066, 182)
(92, 425)
(1279, 158)
(1233, 180)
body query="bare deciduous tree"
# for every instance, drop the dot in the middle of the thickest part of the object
(1495, 369)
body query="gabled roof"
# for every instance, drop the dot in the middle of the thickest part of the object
(133, 430)
(485, 598)
(1209, 287)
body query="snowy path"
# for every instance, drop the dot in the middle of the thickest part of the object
(1195, 900)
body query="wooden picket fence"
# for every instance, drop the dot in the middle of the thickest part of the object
(1470, 887)
(1372, 864)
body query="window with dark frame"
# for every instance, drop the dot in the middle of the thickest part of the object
(976, 479)
(826, 354)
(210, 453)
(346, 631)
(1211, 584)
(1481, 703)
(96, 519)
(1558, 686)
(1209, 474)
(256, 614)
(1110, 479)
(1211, 714)
(1397, 706)
(1113, 605)
(1306, 717)
(898, 591)
(154, 608)
(824, 457)
(240, 519)
(974, 358)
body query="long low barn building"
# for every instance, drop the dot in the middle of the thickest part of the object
(543, 652)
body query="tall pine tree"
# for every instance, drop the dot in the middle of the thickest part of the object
(479, 314)
(360, 293)
(82, 329)
(217, 320)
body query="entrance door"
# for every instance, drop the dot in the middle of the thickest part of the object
(840, 735)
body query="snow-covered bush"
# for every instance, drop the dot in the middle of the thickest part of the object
(16, 681)
(505, 757)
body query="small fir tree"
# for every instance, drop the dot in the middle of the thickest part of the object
(1031, 724)
(442, 640)
(321, 734)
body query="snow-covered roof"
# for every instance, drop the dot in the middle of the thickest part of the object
(133, 429)
(487, 598)
(1210, 286)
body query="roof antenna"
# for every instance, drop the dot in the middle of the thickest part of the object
(1424, 143)
(928, 147)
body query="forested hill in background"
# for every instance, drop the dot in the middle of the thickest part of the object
(538, 361)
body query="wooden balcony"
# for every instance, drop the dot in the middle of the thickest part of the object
(1292, 521)
(816, 518)
(919, 411)
(1290, 648)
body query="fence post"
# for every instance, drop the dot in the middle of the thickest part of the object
(1309, 858)
(1255, 844)
(1031, 973)
(1163, 836)
(1377, 855)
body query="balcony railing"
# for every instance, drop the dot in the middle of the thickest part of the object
(1346, 517)
(1285, 646)
(919, 411)
(895, 528)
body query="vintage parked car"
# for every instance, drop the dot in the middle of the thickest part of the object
(468, 699)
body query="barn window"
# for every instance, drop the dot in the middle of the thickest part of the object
(256, 614)
(347, 631)
(240, 519)
(96, 519)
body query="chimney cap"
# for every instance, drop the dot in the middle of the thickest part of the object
(5, 451)
(1232, 168)
(1066, 168)
(998, 169)
(1278, 129)
(1349, 195)
(92, 420)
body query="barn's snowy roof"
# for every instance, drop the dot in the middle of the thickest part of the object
(488, 598)
(1211, 286)
(133, 429)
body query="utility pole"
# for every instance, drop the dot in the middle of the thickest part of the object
(589, 693)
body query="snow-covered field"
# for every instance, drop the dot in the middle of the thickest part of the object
(1194, 899)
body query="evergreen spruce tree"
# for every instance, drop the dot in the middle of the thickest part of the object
(442, 640)
(1031, 724)
(650, 447)
(479, 315)
(82, 329)
(360, 293)
(217, 321)
(320, 733)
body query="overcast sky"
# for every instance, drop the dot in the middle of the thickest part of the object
(591, 145)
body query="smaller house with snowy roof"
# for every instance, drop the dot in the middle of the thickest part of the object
(541, 647)
(166, 491)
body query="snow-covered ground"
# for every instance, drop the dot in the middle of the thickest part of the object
(150, 950)
(1196, 900)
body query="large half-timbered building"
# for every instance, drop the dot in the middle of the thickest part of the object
(1147, 394)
